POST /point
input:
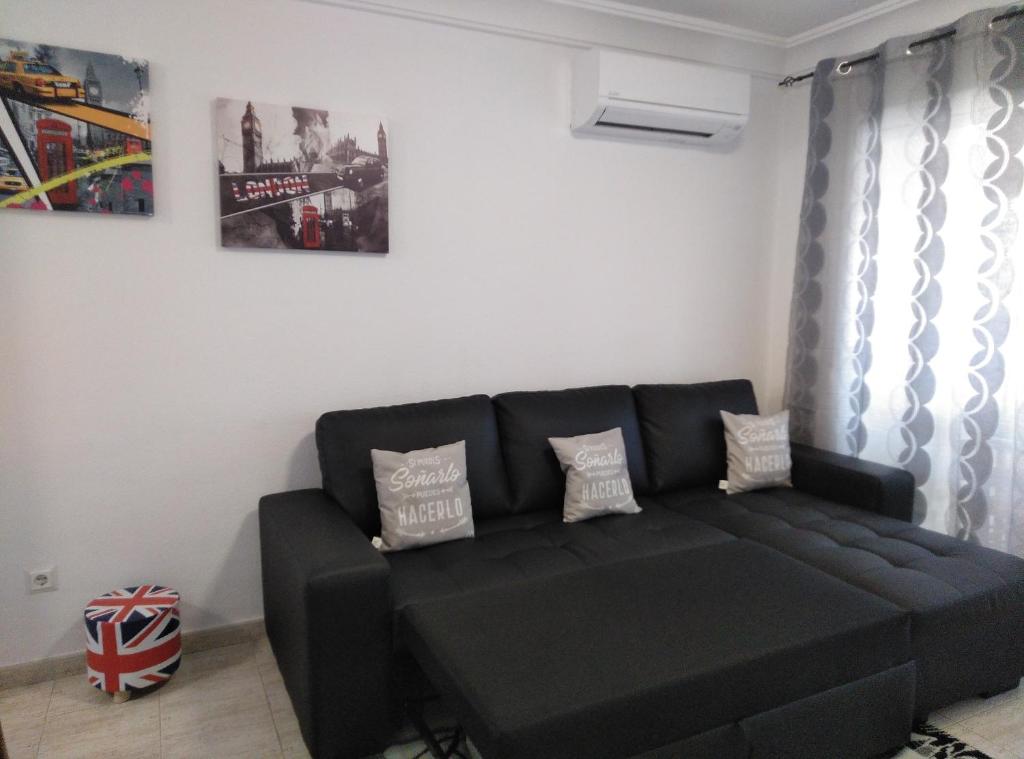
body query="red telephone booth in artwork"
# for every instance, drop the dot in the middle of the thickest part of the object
(310, 227)
(56, 154)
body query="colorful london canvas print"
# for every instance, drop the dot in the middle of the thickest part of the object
(74, 130)
(301, 178)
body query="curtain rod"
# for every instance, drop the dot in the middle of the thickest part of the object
(845, 66)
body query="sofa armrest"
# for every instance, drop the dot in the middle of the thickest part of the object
(328, 615)
(854, 482)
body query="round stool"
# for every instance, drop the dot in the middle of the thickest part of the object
(133, 639)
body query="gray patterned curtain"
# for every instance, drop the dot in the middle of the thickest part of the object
(907, 327)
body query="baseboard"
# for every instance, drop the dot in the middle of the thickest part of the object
(192, 641)
(224, 635)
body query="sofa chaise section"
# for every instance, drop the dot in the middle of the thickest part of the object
(966, 602)
(851, 518)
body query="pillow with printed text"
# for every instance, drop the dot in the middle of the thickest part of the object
(423, 496)
(757, 451)
(596, 477)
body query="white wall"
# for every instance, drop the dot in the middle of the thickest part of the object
(793, 113)
(154, 385)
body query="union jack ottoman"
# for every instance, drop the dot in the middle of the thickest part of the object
(133, 639)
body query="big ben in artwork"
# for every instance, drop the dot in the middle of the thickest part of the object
(93, 96)
(252, 141)
(382, 143)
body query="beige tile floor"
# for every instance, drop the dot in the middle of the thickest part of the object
(230, 702)
(994, 725)
(222, 703)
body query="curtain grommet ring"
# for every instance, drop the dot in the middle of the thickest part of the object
(844, 68)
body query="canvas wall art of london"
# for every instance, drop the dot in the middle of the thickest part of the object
(74, 130)
(301, 178)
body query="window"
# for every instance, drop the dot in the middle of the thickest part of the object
(40, 68)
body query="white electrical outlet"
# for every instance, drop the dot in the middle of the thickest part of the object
(41, 580)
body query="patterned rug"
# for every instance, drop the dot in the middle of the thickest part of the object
(925, 741)
(417, 749)
(928, 741)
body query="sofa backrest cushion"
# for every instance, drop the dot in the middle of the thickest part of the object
(344, 440)
(683, 432)
(527, 419)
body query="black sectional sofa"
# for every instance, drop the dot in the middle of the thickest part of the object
(752, 625)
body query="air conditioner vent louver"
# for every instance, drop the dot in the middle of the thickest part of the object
(660, 130)
(657, 99)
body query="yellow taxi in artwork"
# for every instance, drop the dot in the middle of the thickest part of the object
(12, 183)
(27, 77)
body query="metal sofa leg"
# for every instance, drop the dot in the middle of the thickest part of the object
(415, 711)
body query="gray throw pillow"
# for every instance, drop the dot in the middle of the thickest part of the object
(596, 477)
(757, 451)
(423, 496)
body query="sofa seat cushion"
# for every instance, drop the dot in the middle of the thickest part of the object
(964, 599)
(508, 550)
(630, 657)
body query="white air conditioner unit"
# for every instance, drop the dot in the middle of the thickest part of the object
(639, 97)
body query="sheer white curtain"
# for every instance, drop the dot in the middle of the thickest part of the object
(907, 330)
